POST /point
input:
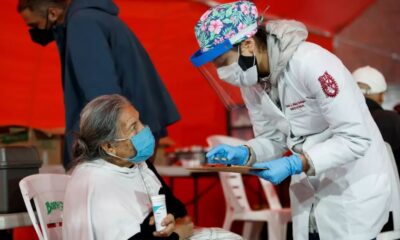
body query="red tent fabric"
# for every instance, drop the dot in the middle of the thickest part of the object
(325, 15)
(31, 93)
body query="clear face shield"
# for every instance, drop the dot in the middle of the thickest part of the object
(216, 63)
(220, 66)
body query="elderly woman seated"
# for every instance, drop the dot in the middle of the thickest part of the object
(108, 196)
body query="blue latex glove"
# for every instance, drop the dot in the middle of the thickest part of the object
(279, 169)
(226, 154)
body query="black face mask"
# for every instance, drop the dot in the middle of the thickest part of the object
(246, 62)
(42, 36)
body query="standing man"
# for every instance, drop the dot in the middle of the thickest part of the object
(99, 55)
(373, 85)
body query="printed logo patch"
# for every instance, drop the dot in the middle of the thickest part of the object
(50, 206)
(329, 85)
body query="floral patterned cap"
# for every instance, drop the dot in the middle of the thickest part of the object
(235, 22)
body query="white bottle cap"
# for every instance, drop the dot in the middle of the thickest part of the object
(157, 199)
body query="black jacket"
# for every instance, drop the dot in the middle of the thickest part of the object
(174, 207)
(389, 125)
(100, 55)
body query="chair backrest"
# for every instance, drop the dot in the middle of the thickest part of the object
(232, 183)
(269, 190)
(271, 195)
(395, 185)
(234, 193)
(47, 192)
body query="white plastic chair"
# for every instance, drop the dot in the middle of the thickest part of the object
(47, 192)
(237, 205)
(395, 205)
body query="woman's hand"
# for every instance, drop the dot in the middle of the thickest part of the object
(168, 222)
(226, 154)
(184, 227)
(279, 169)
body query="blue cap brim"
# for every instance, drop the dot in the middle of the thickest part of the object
(199, 58)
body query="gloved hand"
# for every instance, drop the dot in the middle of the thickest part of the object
(226, 154)
(279, 169)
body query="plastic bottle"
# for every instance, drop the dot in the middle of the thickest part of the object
(159, 210)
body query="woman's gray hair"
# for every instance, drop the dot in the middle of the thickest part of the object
(98, 125)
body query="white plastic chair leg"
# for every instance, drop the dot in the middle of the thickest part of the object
(276, 230)
(252, 230)
(228, 222)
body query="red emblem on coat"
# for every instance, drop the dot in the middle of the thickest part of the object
(329, 85)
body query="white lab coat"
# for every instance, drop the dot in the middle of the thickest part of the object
(351, 189)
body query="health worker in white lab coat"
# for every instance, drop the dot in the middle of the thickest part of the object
(301, 98)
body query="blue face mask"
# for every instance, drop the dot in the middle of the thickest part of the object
(144, 144)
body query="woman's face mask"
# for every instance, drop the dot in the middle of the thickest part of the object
(144, 144)
(242, 73)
